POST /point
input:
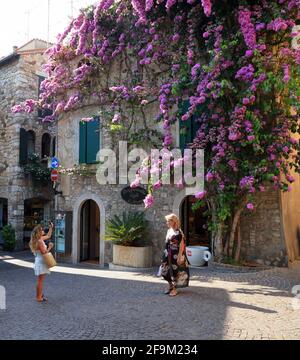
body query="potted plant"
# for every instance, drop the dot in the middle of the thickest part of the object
(9, 238)
(38, 170)
(128, 234)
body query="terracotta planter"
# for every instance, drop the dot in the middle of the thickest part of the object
(131, 256)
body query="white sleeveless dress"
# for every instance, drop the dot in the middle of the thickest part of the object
(40, 267)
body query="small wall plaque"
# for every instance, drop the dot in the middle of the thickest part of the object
(134, 196)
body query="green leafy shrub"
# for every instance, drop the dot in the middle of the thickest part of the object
(130, 229)
(9, 237)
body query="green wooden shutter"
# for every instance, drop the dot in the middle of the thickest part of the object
(93, 140)
(82, 142)
(23, 146)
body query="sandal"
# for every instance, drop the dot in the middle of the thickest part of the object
(173, 293)
(42, 300)
(167, 292)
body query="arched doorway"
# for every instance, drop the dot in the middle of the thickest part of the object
(89, 232)
(195, 223)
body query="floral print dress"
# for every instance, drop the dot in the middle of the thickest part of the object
(176, 275)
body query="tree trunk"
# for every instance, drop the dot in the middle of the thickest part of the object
(217, 235)
(238, 243)
(218, 243)
(235, 222)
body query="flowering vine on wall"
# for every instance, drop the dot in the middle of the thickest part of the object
(237, 62)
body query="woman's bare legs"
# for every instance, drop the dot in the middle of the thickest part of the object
(39, 287)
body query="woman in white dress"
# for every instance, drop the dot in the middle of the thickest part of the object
(38, 248)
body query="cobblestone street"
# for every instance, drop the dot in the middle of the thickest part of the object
(90, 303)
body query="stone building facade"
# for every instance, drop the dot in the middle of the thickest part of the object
(269, 235)
(22, 203)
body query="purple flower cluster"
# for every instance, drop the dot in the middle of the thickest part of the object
(248, 29)
(27, 106)
(280, 25)
(121, 91)
(206, 4)
(247, 182)
(286, 70)
(72, 102)
(170, 3)
(149, 201)
(173, 41)
(246, 73)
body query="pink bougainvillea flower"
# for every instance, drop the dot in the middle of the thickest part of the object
(200, 195)
(250, 206)
(149, 201)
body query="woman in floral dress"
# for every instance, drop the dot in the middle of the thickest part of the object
(174, 265)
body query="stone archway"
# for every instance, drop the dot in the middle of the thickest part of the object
(77, 213)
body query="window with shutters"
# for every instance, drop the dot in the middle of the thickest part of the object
(89, 141)
(27, 145)
(188, 128)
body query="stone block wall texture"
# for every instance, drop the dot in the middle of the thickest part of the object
(262, 233)
(18, 82)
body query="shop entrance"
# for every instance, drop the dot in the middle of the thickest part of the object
(3, 216)
(90, 232)
(194, 223)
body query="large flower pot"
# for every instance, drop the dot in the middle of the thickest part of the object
(198, 255)
(131, 256)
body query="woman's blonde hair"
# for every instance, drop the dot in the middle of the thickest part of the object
(173, 218)
(35, 237)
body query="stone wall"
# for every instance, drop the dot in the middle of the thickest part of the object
(262, 233)
(18, 82)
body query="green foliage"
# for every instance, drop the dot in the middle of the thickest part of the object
(130, 229)
(9, 237)
(39, 172)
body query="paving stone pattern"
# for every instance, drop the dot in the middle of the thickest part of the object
(91, 303)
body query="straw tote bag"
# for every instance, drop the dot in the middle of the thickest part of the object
(49, 260)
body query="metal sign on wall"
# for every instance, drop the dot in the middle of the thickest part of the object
(134, 196)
